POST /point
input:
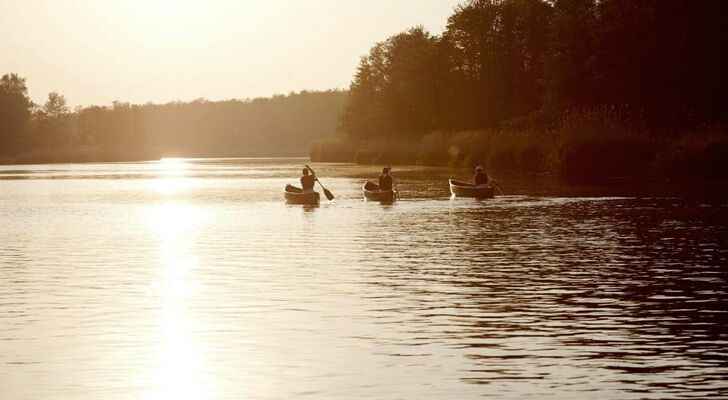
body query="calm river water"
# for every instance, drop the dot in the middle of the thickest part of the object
(191, 279)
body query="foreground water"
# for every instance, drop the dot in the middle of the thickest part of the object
(191, 279)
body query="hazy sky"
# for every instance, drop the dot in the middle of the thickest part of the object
(97, 51)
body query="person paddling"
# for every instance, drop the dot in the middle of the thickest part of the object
(481, 178)
(386, 180)
(308, 180)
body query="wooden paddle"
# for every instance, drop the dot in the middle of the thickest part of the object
(498, 187)
(327, 193)
(394, 186)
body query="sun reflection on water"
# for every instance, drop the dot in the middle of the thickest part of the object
(172, 176)
(178, 369)
(179, 165)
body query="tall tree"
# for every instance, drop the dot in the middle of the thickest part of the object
(397, 88)
(15, 111)
(570, 71)
(498, 47)
(52, 125)
(56, 107)
(471, 32)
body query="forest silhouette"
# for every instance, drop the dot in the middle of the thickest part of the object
(282, 125)
(586, 89)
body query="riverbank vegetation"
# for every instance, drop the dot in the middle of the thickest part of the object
(52, 132)
(584, 89)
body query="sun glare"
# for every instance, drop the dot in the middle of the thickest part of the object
(174, 223)
(173, 164)
(178, 375)
(171, 176)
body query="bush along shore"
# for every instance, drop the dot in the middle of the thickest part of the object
(586, 146)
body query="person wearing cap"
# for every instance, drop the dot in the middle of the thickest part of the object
(481, 178)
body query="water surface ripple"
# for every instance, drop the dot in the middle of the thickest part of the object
(191, 279)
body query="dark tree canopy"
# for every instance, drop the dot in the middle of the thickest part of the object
(503, 59)
(15, 108)
(396, 87)
(498, 63)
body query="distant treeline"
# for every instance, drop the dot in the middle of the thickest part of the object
(584, 88)
(52, 132)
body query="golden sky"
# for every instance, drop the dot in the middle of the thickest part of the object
(97, 51)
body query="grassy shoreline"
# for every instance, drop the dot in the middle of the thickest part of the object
(582, 147)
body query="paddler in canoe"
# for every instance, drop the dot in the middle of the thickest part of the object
(481, 177)
(306, 194)
(483, 180)
(386, 180)
(308, 180)
(384, 191)
(483, 188)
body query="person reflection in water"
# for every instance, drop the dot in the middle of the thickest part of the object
(481, 178)
(308, 180)
(386, 180)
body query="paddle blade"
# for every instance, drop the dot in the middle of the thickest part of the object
(328, 194)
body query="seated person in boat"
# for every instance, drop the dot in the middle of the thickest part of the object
(307, 181)
(481, 178)
(386, 180)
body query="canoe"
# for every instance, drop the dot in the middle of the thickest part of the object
(372, 193)
(465, 189)
(295, 195)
